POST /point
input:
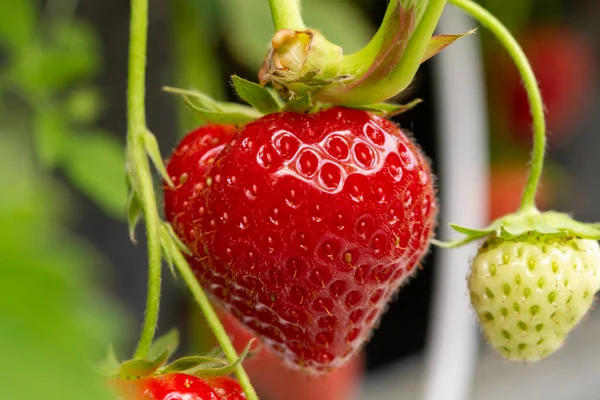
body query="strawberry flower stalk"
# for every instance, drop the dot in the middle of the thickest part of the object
(536, 273)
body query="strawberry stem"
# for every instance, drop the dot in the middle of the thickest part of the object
(533, 92)
(403, 73)
(136, 127)
(287, 15)
(138, 168)
(213, 321)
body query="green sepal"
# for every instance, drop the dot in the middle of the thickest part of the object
(110, 365)
(204, 366)
(512, 226)
(389, 109)
(169, 342)
(227, 369)
(151, 146)
(260, 97)
(217, 111)
(440, 42)
(170, 244)
(299, 104)
(192, 362)
(547, 223)
(142, 367)
(134, 209)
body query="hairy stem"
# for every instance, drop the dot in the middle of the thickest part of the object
(214, 323)
(136, 125)
(533, 92)
(287, 15)
(140, 173)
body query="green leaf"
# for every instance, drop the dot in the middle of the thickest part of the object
(169, 342)
(17, 23)
(73, 54)
(389, 109)
(83, 105)
(217, 112)
(51, 134)
(54, 322)
(95, 164)
(151, 146)
(259, 97)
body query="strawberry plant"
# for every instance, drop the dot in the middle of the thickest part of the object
(301, 213)
(305, 210)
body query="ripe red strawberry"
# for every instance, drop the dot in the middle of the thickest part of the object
(179, 386)
(305, 225)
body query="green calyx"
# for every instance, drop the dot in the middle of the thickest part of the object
(513, 226)
(304, 72)
(263, 100)
(303, 63)
(157, 362)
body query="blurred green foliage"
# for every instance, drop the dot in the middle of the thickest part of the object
(49, 67)
(53, 321)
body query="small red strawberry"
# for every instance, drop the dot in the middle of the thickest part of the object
(305, 225)
(178, 386)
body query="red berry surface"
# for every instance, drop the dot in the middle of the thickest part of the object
(305, 225)
(178, 386)
(271, 381)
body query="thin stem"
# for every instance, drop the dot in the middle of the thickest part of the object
(142, 176)
(287, 15)
(533, 92)
(213, 321)
(154, 254)
(136, 125)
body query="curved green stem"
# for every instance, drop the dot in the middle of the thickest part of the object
(287, 15)
(213, 321)
(136, 125)
(139, 170)
(402, 74)
(358, 62)
(533, 92)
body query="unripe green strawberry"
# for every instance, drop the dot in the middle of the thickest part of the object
(530, 291)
